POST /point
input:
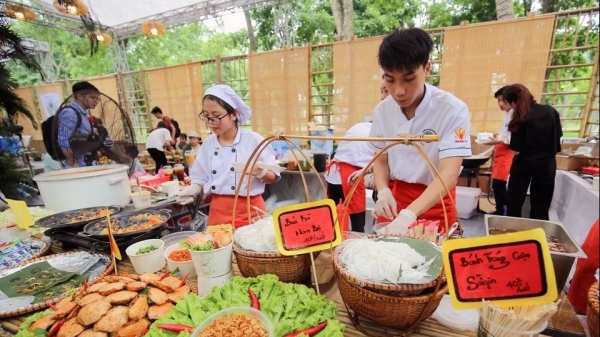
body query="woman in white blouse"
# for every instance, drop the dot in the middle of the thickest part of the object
(212, 172)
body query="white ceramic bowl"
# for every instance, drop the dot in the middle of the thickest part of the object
(236, 311)
(149, 262)
(184, 267)
(205, 284)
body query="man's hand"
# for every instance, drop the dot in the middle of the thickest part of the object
(386, 205)
(352, 178)
(401, 223)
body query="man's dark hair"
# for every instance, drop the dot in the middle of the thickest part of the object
(183, 135)
(84, 86)
(162, 125)
(132, 151)
(405, 50)
(155, 110)
(500, 91)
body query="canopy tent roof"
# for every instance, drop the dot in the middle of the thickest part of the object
(125, 17)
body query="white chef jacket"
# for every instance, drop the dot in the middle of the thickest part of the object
(439, 113)
(504, 134)
(213, 170)
(356, 153)
(158, 138)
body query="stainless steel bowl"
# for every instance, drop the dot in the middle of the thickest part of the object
(563, 262)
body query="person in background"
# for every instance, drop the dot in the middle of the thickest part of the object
(85, 96)
(223, 111)
(182, 143)
(402, 177)
(503, 157)
(133, 152)
(195, 142)
(346, 166)
(535, 141)
(158, 114)
(157, 141)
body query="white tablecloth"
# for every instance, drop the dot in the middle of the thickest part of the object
(575, 204)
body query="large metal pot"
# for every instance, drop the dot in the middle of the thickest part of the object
(82, 187)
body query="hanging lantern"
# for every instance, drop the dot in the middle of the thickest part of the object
(71, 7)
(153, 28)
(19, 12)
(101, 37)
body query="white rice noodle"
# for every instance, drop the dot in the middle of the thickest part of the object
(257, 237)
(384, 262)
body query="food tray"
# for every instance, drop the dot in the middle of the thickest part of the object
(403, 289)
(40, 249)
(99, 269)
(174, 238)
(60, 220)
(95, 228)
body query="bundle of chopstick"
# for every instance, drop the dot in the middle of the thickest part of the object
(427, 230)
(505, 322)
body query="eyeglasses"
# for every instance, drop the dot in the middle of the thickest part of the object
(94, 98)
(211, 120)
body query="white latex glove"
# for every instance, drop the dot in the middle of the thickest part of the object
(352, 178)
(385, 205)
(187, 195)
(401, 223)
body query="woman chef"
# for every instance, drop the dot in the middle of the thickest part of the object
(223, 111)
(402, 177)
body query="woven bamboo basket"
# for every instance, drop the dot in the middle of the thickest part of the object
(388, 310)
(592, 310)
(291, 269)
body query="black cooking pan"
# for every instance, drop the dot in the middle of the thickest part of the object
(75, 218)
(128, 223)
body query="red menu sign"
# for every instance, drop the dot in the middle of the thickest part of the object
(498, 269)
(306, 227)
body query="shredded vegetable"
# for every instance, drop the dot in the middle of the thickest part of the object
(182, 255)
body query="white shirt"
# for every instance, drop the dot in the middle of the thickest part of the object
(504, 134)
(439, 113)
(212, 167)
(158, 138)
(356, 153)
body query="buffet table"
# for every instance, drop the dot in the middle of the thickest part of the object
(574, 204)
(564, 321)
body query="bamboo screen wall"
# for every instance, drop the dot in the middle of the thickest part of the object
(279, 90)
(178, 92)
(356, 81)
(107, 86)
(478, 60)
(27, 95)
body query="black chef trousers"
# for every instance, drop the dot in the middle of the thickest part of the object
(540, 174)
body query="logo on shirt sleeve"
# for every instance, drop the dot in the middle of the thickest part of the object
(460, 135)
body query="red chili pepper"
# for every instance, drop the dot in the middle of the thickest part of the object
(175, 327)
(53, 307)
(309, 332)
(55, 328)
(85, 285)
(253, 299)
(183, 280)
(165, 274)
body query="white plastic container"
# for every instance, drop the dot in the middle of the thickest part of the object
(205, 284)
(141, 199)
(9, 234)
(213, 263)
(185, 268)
(171, 188)
(236, 311)
(149, 262)
(81, 187)
(467, 199)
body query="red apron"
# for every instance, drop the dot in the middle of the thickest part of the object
(358, 202)
(221, 210)
(405, 193)
(585, 270)
(503, 158)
